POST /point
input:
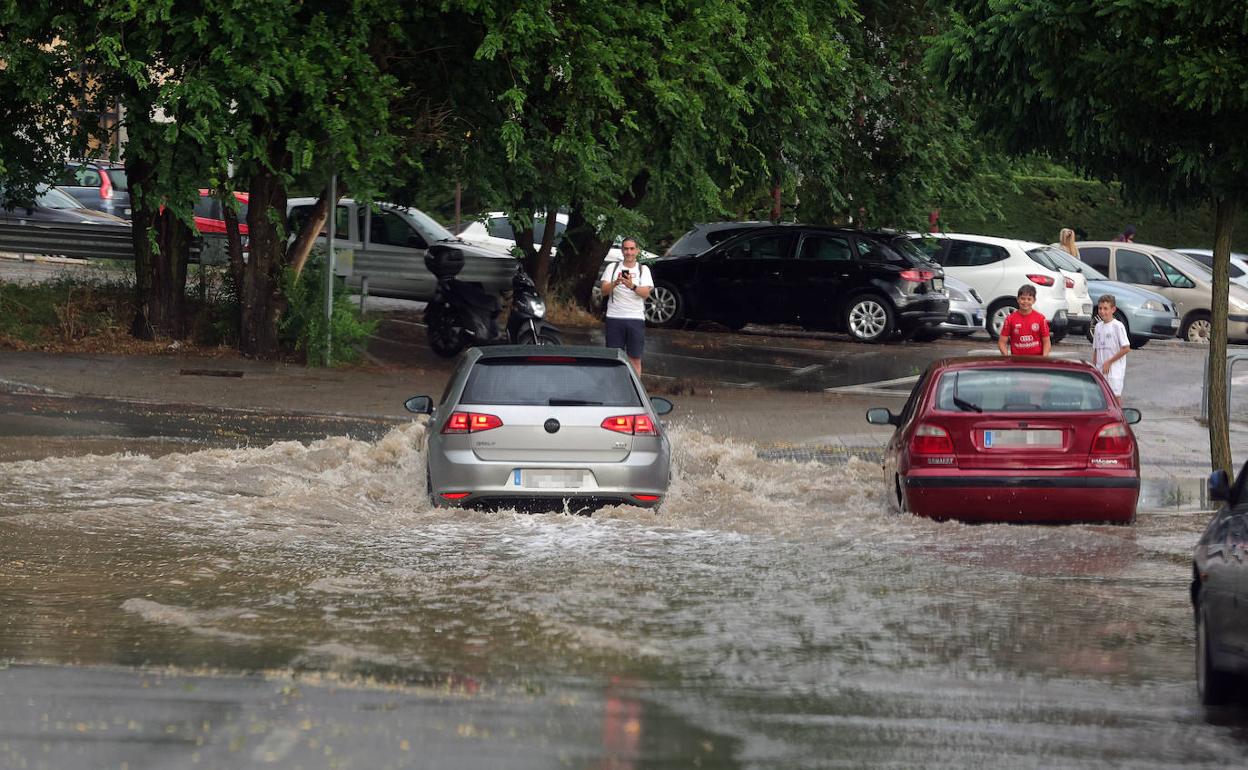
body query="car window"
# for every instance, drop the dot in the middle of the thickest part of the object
(387, 228)
(770, 246)
(826, 248)
(52, 198)
(500, 227)
(557, 381)
(974, 254)
(1067, 262)
(1011, 390)
(79, 176)
(911, 250)
(1204, 259)
(929, 246)
(1096, 256)
(207, 207)
(874, 251)
(1135, 267)
(1042, 257)
(299, 216)
(913, 401)
(1176, 278)
(119, 179)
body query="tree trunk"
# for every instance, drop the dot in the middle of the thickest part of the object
(143, 220)
(1219, 411)
(261, 292)
(160, 272)
(580, 256)
(775, 202)
(306, 238)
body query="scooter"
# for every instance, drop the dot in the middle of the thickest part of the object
(463, 314)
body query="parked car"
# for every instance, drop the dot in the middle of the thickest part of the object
(1180, 279)
(53, 205)
(97, 184)
(966, 311)
(496, 230)
(566, 426)
(1146, 314)
(1238, 266)
(1012, 439)
(997, 267)
(704, 235)
(389, 247)
(870, 285)
(1220, 592)
(210, 215)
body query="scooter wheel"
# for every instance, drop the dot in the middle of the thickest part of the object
(446, 337)
(543, 338)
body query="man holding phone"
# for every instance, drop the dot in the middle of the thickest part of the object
(626, 285)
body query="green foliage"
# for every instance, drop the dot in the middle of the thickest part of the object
(303, 327)
(62, 310)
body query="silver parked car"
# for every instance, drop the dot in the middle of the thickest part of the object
(544, 428)
(1146, 314)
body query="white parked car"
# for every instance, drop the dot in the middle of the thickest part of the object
(1239, 263)
(496, 230)
(997, 267)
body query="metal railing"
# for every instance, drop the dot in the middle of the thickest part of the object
(82, 241)
(1231, 360)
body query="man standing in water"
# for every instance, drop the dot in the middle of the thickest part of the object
(626, 285)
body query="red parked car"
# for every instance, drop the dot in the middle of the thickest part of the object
(1012, 439)
(209, 217)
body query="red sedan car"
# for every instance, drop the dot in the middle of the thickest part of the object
(1008, 439)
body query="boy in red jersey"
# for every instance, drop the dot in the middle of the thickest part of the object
(1025, 330)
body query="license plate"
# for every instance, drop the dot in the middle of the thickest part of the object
(996, 439)
(977, 319)
(550, 479)
(1087, 310)
(1174, 323)
(938, 284)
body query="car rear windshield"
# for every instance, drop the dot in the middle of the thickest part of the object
(550, 381)
(118, 177)
(1019, 390)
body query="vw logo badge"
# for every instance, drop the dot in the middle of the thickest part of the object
(552, 425)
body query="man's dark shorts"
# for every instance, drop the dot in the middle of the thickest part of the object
(628, 334)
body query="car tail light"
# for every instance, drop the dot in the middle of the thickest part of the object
(918, 276)
(1041, 280)
(1070, 283)
(471, 422)
(454, 495)
(931, 440)
(633, 424)
(646, 498)
(1112, 439)
(106, 186)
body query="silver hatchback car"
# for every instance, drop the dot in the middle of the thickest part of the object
(540, 428)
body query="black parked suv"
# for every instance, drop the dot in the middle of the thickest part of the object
(871, 285)
(97, 184)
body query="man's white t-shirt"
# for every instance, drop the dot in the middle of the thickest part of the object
(623, 302)
(1107, 340)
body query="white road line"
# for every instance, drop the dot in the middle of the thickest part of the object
(880, 387)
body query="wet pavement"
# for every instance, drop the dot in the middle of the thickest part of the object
(240, 571)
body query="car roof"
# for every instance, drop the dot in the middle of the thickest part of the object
(569, 351)
(1010, 362)
(989, 239)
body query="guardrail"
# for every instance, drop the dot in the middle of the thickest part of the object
(67, 240)
(1231, 360)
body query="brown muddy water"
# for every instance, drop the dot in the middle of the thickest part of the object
(301, 605)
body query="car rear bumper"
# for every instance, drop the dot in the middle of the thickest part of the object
(922, 311)
(1035, 496)
(493, 484)
(963, 317)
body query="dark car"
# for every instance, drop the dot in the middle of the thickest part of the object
(1012, 439)
(51, 205)
(867, 284)
(704, 235)
(1220, 592)
(97, 184)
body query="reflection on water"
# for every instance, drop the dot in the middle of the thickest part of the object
(774, 602)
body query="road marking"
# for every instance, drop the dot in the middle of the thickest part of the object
(807, 369)
(879, 387)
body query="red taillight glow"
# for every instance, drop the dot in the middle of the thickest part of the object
(471, 422)
(633, 424)
(1041, 280)
(646, 498)
(931, 440)
(1113, 439)
(1070, 283)
(918, 276)
(106, 186)
(454, 495)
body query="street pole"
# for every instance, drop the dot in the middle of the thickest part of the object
(329, 267)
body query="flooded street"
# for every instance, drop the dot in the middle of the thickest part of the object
(300, 604)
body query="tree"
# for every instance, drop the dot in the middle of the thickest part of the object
(1146, 91)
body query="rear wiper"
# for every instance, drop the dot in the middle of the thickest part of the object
(572, 402)
(966, 406)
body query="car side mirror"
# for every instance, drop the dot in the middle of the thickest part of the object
(881, 416)
(419, 405)
(1132, 416)
(660, 405)
(1219, 485)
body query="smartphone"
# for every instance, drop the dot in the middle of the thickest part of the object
(623, 273)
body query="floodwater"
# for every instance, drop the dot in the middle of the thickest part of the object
(301, 605)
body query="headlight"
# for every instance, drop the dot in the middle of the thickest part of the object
(537, 308)
(1154, 305)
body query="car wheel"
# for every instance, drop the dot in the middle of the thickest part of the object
(1138, 342)
(1213, 686)
(928, 333)
(446, 337)
(997, 313)
(543, 338)
(665, 306)
(1196, 328)
(869, 318)
(1056, 337)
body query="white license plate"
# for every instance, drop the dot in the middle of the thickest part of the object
(549, 479)
(1174, 323)
(938, 283)
(994, 439)
(1087, 310)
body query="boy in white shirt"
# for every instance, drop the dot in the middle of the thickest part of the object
(1110, 344)
(626, 285)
